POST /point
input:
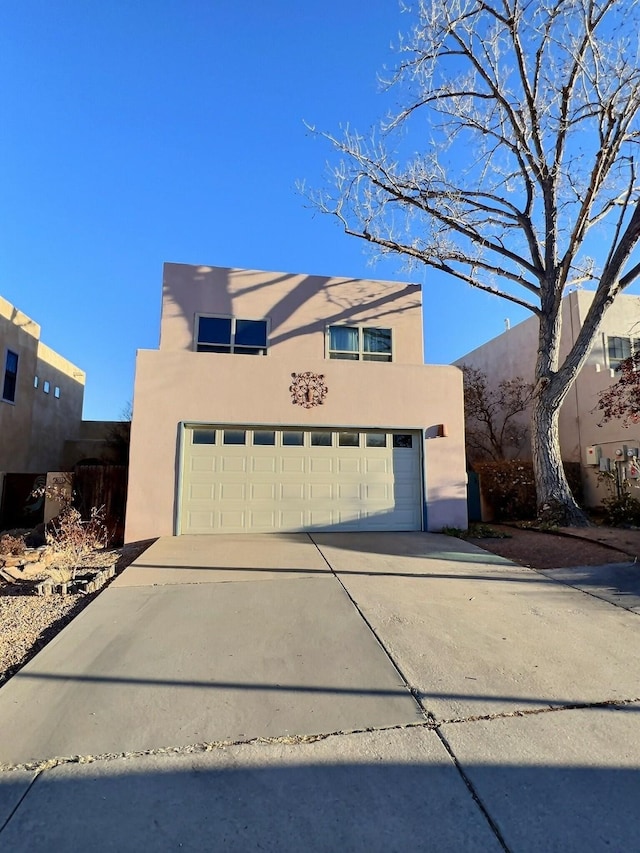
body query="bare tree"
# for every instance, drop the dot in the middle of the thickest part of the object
(493, 429)
(526, 113)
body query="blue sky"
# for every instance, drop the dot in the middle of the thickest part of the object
(141, 131)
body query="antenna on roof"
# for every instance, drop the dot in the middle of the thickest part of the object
(507, 324)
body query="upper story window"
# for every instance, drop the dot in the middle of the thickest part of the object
(620, 348)
(359, 343)
(231, 334)
(10, 377)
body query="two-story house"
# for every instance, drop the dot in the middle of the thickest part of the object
(41, 396)
(583, 438)
(283, 402)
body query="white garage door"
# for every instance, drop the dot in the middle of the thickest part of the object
(261, 480)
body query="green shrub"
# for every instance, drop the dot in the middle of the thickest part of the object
(620, 508)
(475, 531)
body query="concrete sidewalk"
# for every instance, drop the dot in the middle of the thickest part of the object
(327, 692)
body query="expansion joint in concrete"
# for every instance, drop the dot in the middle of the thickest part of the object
(19, 803)
(392, 661)
(472, 791)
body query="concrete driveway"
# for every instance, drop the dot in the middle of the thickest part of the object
(333, 691)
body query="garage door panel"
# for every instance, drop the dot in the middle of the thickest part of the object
(200, 463)
(233, 492)
(293, 465)
(287, 487)
(348, 465)
(200, 520)
(348, 491)
(320, 518)
(292, 491)
(232, 519)
(234, 463)
(201, 492)
(263, 465)
(320, 465)
(376, 491)
(262, 491)
(291, 520)
(377, 465)
(321, 491)
(266, 520)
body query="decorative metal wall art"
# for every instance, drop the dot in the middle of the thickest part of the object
(308, 389)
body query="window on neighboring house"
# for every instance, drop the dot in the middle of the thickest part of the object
(46, 387)
(56, 392)
(36, 381)
(620, 348)
(231, 334)
(10, 377)
(359, 343)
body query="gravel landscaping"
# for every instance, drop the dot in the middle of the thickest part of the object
(29, 621)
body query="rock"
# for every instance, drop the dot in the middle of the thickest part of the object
(31, 556)
(30, 570)
(10, 561)
(13, 572)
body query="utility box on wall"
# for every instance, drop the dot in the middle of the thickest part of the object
(592, 455)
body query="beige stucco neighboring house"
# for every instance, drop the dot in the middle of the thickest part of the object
(41, 396)
(287, 402)
(583, 439)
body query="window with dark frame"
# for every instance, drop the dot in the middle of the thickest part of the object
(292, 438)
(264, 437)
(234, 436)
(231, 334)
(620, 348)
(10, 377)
(376, 439)
(348, 439)
(321, 439)
(359, 343)
(402, 440)
(203, 436)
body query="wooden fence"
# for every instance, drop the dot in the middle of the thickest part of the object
(103, 486)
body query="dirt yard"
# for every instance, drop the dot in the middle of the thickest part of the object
(540, 550)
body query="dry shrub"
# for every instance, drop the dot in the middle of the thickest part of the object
(71, 540)
(510, 490)
(11, 544)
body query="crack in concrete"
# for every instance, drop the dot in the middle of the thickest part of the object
(202, 747)
(549, 709)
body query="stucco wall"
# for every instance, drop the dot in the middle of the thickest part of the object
(623, 320)
(513, 353)
(55, 419)
(299, 308)
(34, 428)
(19, 334)
(181, 386)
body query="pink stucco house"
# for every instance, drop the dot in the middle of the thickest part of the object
(285, 402)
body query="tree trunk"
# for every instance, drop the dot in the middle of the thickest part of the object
(556, 504)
